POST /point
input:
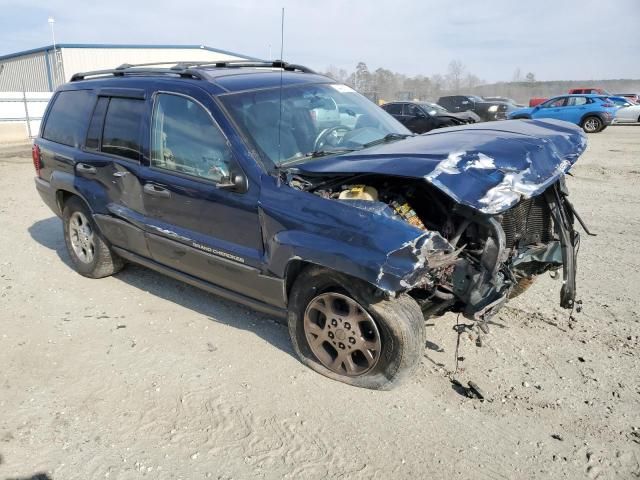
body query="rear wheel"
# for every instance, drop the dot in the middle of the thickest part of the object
(89, 252)
(342, 328)
(592, 124)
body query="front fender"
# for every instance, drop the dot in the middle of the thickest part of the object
(383, 251)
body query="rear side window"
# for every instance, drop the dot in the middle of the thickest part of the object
(68, 117)
(94, 134)
(122, 128)
(394, 108)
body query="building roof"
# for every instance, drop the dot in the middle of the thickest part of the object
(123, 45)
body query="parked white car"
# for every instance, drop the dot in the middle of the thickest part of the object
(628, 114)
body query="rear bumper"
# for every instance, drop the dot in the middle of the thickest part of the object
(48, 195)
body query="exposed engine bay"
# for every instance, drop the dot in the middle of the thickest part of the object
(487, 258)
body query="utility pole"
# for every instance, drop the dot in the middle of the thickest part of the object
(56, 61)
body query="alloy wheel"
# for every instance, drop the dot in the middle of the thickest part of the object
(82, 237)
(342, 334)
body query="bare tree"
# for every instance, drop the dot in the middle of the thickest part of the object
(362, 80)
(471, 81)
(338, 74)
(517, 75)
(454, 75)
(531, 78)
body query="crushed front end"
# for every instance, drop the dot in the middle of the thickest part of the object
(492, 201)
(535, 236)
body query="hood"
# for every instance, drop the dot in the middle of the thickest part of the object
(522, 111)
(459, 116)
(489, 166)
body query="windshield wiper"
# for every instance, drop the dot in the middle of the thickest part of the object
(389, 137)
(317, 154)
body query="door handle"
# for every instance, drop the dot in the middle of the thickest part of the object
(156, 190)
(84, 168)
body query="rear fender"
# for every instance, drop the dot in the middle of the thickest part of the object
(82, 187)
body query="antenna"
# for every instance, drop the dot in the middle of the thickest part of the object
(281, 71)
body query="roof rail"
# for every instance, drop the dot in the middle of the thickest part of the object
(185, 69)
(248, 64)
(126, 69)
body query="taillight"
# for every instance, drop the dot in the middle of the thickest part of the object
(35, 154)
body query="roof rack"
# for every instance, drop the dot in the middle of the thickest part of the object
(185, 69)
(291, 67)
(139, 69)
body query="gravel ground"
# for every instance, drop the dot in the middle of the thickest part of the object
(139, 375)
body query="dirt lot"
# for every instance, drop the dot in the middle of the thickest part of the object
(138, 375)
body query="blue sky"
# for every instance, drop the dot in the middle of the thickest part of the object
(555, 39)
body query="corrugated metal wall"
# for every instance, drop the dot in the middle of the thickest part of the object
(28, 72)
(86, 59)
(44, 71)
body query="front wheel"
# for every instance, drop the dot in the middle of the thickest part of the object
(341, 328)
(592, 124)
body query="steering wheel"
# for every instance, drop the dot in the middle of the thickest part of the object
(318, 144)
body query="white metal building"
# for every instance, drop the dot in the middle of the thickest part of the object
(45, 68)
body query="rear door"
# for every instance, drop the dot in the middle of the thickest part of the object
(575, 109)
(110, 162)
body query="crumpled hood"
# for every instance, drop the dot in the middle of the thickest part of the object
(489, 166)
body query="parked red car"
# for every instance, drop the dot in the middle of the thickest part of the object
(582, 91)
(536, 101)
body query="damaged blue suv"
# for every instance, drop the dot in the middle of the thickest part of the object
(279, 188)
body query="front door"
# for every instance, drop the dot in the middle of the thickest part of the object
(200, 225)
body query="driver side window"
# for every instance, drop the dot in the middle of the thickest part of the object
(556, 103)
(411, 110)
(186, 140)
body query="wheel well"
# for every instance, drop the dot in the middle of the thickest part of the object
(294, 268)
(62, 197)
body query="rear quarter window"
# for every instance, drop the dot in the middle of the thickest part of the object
(68, 117)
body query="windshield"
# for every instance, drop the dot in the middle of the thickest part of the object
(317, 119)
(434, 108)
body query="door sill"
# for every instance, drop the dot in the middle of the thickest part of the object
(280, 313)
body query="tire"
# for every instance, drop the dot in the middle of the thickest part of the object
(393, 328)
(522, 286)
(89, 252)
(591, 124)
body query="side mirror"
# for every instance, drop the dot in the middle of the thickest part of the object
(236, 183)
(420, 115)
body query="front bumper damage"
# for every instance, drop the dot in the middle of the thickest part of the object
(483, 284)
